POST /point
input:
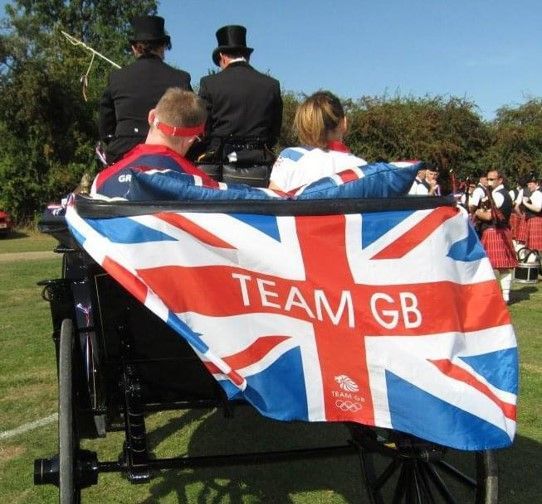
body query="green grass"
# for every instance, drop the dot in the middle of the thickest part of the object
(28, 392)
(26, 240)
(27, 380)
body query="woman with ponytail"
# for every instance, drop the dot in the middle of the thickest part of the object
(320, 124)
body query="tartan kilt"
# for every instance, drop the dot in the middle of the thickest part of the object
(515, 220)
(534, 233)
(521, 232)
(498, 246)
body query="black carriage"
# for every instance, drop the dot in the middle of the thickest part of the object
(118, 362)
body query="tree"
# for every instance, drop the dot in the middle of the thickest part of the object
(288, 138)
(48, 130)
(517, 139)
(448, 132)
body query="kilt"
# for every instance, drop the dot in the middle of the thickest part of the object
(521, 231)
(515, 220)
(498, 246)
(534, 233)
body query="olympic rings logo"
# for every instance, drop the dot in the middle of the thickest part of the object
(349, 406)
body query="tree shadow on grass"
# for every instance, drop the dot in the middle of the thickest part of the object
(14, 235)
(522, 294)
(329, 480)
(520, 470)
(335, 479)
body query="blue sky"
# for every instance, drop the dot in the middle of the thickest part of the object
(488, 51)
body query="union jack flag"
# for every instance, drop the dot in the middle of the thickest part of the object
(391, 319)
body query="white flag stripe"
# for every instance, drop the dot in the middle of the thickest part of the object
(379, 390)
(426, 376)
(156, 305)
(253, 250)
(414, 267)
(184, 251)
(257, 251)
(502, 395)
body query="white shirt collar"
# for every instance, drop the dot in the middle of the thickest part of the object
(236, 60)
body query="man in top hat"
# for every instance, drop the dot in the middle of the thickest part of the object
(135, 89)
(244, 107)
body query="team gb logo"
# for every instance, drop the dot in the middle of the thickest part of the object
(346, 383)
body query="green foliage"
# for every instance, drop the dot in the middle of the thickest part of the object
(517, 139)
(288, 138)
(448, 132)
(48, 130)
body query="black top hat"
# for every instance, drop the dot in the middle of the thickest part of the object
(149, 29)
(231, 38)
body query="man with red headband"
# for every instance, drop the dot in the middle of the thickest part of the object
(174, 125)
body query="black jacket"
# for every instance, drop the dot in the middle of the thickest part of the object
(132, 91)
(243, 103)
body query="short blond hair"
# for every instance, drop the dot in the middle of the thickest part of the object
(317, 117)
(181, 108)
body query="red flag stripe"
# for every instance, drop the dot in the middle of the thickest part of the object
(252, 353)
(130, 282)
(190, 227)
(460, 374)
(348, 175)
(476, 307)
(413, 237)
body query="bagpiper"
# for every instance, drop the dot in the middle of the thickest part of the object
(495, 230)
(533, 214)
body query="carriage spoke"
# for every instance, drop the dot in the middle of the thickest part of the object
(457, 474)
(387, 474)
(402, 484)
(440, 485)
(422, 484)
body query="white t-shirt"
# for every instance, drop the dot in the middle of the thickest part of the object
(517, 200)
(536, 200)
(418, 188)
(297, 166)
(477, 195)
(498, 198)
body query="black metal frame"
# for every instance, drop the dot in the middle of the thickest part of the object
(80, 279)
(99, 209)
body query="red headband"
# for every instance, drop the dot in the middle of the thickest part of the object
(178, 131)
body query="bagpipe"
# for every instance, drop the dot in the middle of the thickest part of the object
(487, 203)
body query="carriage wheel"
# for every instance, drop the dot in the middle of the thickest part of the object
(68, 442)
(402, 469)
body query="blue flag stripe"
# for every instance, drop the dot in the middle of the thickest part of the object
(414, 410)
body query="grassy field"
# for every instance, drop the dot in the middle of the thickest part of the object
(26, 240)
(28, 392)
